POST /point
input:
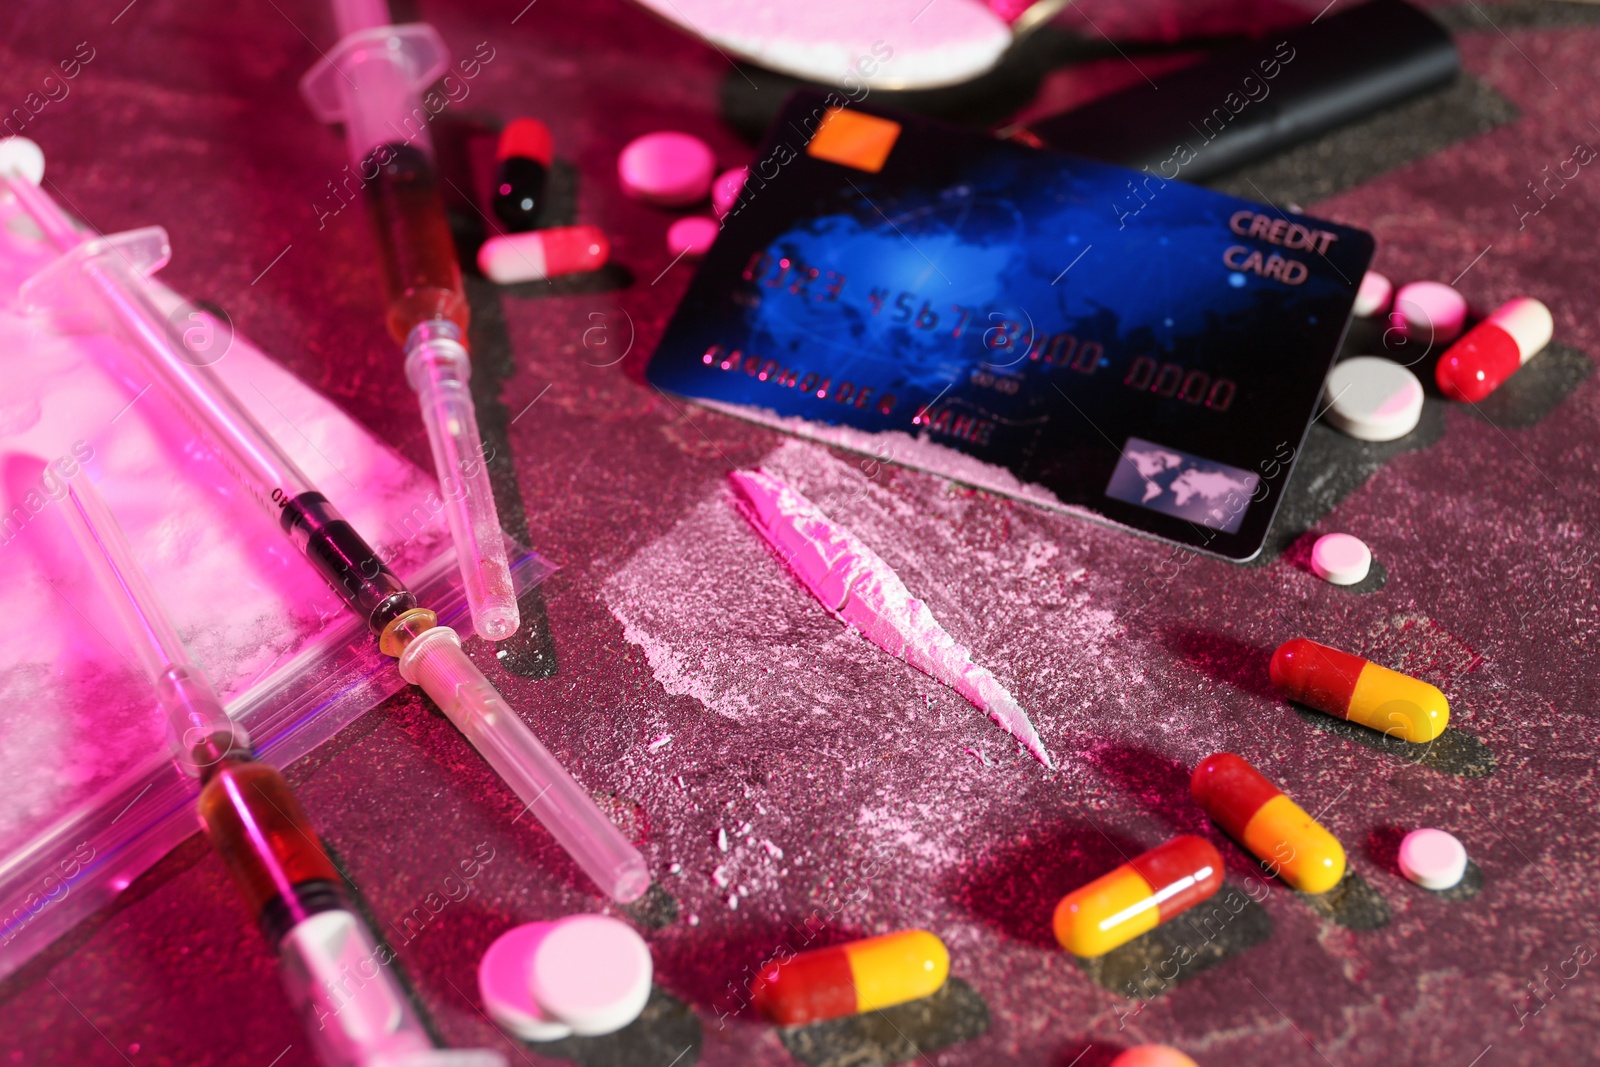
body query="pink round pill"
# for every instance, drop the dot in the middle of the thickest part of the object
(593, 973)
(1153, 1056)
(1340, 559)
(1429, 312)
(726, 189)
(1372, 298)
(503, 982)
(1433, 859)
(666, 168)
(692, 236)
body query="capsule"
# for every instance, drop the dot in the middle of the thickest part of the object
(541, 254)
(852, 978)
(1138, 896)
(1275, 829)
(1491, 352)
(522, 165)
(1350, 687)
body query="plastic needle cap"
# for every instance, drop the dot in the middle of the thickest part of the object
(435, 661)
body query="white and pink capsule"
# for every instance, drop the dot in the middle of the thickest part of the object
(1491, 352)
(539, 254)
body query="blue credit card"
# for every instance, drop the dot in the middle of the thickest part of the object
(1087, 337)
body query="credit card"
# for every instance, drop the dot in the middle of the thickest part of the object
(1093, 339)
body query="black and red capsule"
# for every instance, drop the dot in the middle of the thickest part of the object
(522, 165)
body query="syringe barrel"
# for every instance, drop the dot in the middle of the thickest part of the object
(332, 967)
(371, 82)
(353, 16)
(258, 462)
(343, 558)
(268, 845)
(342, 983)
(379, 89)
(416, 253)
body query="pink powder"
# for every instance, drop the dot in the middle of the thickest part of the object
(862, 591)
(78, 721)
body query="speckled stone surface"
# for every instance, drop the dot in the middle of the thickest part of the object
(811, 789)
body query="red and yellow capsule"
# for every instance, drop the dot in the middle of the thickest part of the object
(851, 978)
(1275, 829)
(1350, 687)
(1138, 896)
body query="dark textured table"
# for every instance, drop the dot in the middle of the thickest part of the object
(788, 783)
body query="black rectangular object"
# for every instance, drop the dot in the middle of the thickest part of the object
(1324, 74)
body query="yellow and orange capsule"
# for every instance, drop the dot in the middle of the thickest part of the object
(1350, 687)
(1275, 829)
(851, 978)
(1138, 896)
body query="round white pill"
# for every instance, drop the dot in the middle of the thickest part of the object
(593, 973)
(503, 982)
(1429, 312)
(1340, 559)
(1372, 298)
(1373, 399)
(1433, 859)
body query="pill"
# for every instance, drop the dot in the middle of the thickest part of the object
(503, 984)
(1429, 312)
(1491, 352)
(522, 165)
(1153, 1056)
(1433, 859)
(726, 189)
(1372, 296)
(1138, 896)
(851, 978)
(1349, 687)
(1373, 399)
(540, 254)
(1275, 829)
(1340, 559)
(591, 972)
(666, 168)
(692, 236)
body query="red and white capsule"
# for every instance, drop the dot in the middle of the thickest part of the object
(1491, 352)
(540, 254)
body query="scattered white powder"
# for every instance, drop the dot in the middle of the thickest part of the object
(721, 621)
(917, 452)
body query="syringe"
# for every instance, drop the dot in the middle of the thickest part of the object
(353, 1008)
(109, 274)
(372, 81)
